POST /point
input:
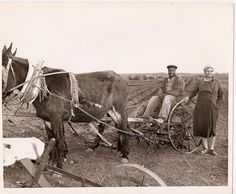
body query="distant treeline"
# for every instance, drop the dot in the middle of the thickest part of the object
(157, 76)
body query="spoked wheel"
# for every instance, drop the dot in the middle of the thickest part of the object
(180, 129)
(135, 175)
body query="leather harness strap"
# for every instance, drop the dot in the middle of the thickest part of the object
(74, 89)
(6, 71)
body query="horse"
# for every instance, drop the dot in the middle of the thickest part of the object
(105, 88)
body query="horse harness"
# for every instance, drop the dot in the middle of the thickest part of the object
(43, 93)
(5, 71)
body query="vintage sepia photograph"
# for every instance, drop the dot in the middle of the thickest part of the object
(118, 95)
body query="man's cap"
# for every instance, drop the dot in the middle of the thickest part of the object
(172, 66)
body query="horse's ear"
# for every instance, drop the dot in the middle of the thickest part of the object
(4, 48)
(14, 54)
(10, 47)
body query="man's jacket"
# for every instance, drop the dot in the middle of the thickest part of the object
(177, 87)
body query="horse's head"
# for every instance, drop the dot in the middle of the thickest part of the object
(7, 54)
(14, 70)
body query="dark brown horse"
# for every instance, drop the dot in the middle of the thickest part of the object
(105, 88)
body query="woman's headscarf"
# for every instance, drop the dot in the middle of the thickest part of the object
(208, 67)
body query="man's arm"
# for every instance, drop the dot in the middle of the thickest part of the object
(195, 90)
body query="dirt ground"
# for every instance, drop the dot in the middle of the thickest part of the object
(100, 166)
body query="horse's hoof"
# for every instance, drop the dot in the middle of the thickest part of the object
(124, 160)
(89, 150)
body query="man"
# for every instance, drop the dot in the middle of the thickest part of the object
(169, 93)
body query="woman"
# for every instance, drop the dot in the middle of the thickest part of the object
(210, 96)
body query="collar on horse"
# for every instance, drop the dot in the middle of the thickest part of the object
(31, 90)
(32, 86)
(43, 90)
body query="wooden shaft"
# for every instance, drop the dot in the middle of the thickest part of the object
(102, 138)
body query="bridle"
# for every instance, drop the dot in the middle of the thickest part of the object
(6, 70)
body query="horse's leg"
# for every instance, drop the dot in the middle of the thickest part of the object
(63, 135)
(50, 135)
(123, 142)
(56, 125)
(95, 144)
(121, 123)
(48, 130)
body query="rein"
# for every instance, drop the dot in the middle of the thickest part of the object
(36, 77)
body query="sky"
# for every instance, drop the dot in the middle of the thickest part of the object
(123, 37)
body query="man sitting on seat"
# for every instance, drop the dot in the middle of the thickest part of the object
(169, 93)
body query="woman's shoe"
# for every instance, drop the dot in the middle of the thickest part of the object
(212, 152)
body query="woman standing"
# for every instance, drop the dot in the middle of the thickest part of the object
(210, 96)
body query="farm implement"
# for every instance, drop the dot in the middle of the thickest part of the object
(177, 130)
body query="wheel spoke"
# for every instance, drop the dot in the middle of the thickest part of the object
(193, 138)
(181, 135)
